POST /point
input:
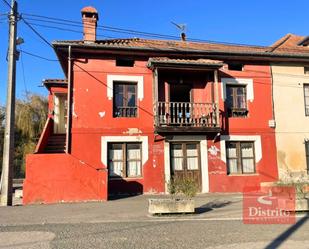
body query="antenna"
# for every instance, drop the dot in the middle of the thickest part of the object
(182, 28)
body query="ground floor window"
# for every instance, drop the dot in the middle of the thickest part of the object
(240, 157)
(124, 160)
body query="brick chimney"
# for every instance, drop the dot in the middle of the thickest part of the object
(90, 17)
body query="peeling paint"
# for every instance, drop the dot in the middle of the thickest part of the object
(213, 150)
(73, 111)
(101, 114)
(132, 131)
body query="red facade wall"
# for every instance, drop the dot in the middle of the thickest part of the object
(93, 118)
(256, 123)
(54, 178)
(82, 174)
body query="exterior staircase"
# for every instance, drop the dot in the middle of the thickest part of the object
(56, 144)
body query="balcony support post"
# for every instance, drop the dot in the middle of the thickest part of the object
(155, 96)
(216, 98)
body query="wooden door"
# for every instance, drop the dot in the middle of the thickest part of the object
(185, 161)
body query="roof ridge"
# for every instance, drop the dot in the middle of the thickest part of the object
(279, 42)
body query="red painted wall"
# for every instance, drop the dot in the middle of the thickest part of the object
(93, 118)
(83, 176)
(54, 178)
(260, 112)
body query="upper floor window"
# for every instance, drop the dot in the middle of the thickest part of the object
(306, 96)
(235, 66)
(124, 95)
(240, 157)
(306, 70)
(124, 63)
(236, 100)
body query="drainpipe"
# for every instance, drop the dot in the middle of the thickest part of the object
(272, 93)
(69, 111)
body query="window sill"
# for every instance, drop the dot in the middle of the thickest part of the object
(125, 117)
(247, 174)
(125, 179)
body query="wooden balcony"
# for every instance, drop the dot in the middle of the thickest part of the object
(186, 117)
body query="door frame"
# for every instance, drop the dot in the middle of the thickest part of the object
(204, 161)
(185, 169)
(189, 85)
(61, 112)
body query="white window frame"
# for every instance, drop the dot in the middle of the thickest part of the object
(139, 80)
(238, 81)
(123, 139)
(237, 138)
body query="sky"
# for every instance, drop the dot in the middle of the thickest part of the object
(256, 22)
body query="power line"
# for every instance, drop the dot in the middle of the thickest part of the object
(23, 71)
(253, 71)
(65, 29)
(100, 27)
(66, 22)
(105, 28)
(133, 32)
(6, 2)
(36, 32)
(38, 56)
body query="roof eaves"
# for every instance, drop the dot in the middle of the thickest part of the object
(266, 53)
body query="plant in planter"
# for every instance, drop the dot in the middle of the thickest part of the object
(181, 191)
(180, 188)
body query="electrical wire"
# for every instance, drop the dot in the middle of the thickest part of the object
(300, 77)
(36, 32)
(63, 29)
(23, 72)
(7, 3)
(38, 56)
(65, 22)
(130, 31)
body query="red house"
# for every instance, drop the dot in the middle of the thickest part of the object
(132, 113)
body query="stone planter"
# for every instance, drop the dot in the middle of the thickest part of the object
(171, 206)
(300, 205)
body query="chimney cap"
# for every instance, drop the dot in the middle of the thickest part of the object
(90, 10)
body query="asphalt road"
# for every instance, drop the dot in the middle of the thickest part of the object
(157, 233)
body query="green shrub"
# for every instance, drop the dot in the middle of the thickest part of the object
(182, 187)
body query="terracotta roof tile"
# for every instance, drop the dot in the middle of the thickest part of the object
(167, 60)
(166, 45)
(286, 45)
(289, 44)
(55, 81)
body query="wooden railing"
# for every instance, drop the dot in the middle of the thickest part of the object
(186, 114)
(125, 111)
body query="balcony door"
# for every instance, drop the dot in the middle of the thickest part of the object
(180, 93)
(185, 161)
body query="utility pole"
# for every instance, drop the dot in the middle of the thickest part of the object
(8, 149)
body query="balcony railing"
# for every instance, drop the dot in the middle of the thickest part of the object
(173, 114)
(125, 111)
